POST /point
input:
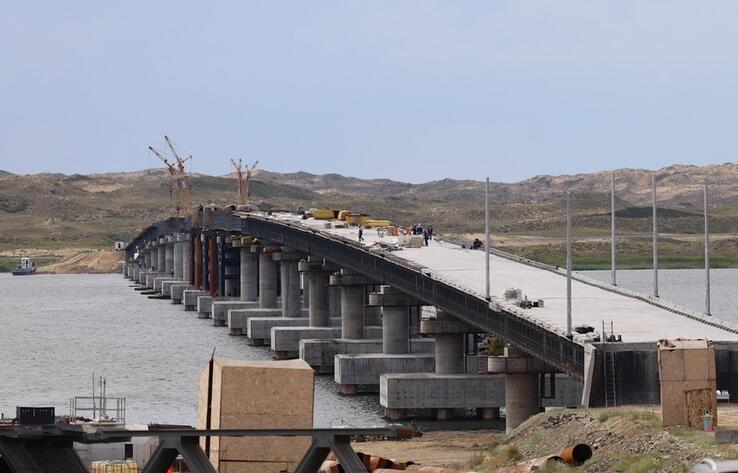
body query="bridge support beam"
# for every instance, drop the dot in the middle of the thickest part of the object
(289, 275)
(161, 255)
(178, 250)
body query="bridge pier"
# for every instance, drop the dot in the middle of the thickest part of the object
(359, 368)
(285, 341)
(351, 289)
(522, 385)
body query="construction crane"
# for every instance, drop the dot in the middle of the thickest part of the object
(183, 185)
(172, 173)
(244, 180)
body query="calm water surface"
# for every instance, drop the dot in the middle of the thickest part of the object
(55, 330)
(685, 287)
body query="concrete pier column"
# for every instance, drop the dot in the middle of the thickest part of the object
(395, 319)
(178, 258)
(186, 256)
(249, 274)
(147, 258)
(267, 281)
(161, 255)
(290, 281)
(169, 256)
(522, 385)
(449, 353)
(318, 275)
(351, 285)
(334, 301)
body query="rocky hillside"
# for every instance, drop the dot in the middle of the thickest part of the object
(93, 211)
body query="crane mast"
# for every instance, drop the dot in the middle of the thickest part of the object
(184, 198)
(172, 173)
(244, 180)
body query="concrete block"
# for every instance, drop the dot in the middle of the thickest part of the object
(189, 298)
(260, 328)
(258, 395)
(176, 292)
(238, 318)
(365, 370)
(219, 309)
(286, 340)
(159, 280)
(320, 354)
(166, 286)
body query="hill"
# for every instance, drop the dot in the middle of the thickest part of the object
(93, 211)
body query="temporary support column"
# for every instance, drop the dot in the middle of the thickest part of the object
(205, 262)
(213, 266)
(249, 271)
(197, 275)
(169, 256)
(267, 280)
(178, 255)
(290, 281)
(232, 269)
(318, 277)
(522, 386)
(352, 287)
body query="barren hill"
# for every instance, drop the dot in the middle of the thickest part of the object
(93, 211)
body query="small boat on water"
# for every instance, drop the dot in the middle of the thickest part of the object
(26, 266)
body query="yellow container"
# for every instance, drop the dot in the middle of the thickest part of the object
(357, 219)
(324, 214)
(377, 223)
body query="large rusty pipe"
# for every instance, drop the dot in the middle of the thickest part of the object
(577, 454)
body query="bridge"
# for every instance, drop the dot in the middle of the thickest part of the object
(388, 315)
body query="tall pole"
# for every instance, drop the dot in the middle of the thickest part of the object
(655, 240)
(486, 245)
(707, 258)
(568, 265)
(612, 228)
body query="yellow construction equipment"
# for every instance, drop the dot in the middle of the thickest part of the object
(244, 180)
(323, 214)
(172, 173)
(184, 198)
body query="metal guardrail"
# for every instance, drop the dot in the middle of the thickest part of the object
(544, 343)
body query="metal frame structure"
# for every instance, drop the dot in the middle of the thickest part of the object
(50, 448)
(556, 350)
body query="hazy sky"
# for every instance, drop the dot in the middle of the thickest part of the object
(409, 90)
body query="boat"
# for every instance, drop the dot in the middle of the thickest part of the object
(25, 267)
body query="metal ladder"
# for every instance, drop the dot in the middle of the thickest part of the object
(609, 369)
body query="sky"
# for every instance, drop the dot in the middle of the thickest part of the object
(409, 90)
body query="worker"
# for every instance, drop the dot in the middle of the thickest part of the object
(361, 233)
(425, 237)
(477, 244)
(430, 232)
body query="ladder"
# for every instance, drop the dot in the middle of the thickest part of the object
(609, 369)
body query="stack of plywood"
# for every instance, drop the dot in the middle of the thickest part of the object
(688, 382)
(258, 395)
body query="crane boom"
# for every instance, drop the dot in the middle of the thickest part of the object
(183, 188)
(172, 172)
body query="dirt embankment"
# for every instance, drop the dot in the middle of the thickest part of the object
(88, 262)
(628, 439)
